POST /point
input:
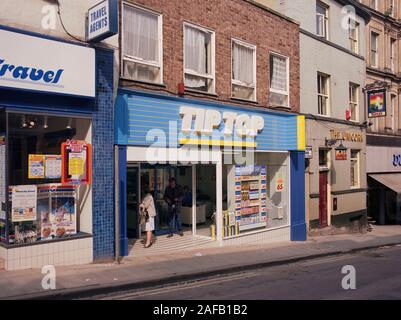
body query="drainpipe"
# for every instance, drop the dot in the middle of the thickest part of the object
(116, 206)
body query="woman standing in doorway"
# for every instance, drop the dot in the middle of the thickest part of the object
(148, 210)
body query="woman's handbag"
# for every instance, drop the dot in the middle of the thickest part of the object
(144, 216)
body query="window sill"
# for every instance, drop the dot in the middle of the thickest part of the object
(212, 94)
(244, 100)
(80, 235)
(161, 85)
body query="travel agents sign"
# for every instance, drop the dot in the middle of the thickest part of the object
(102, 20)
(38, 64)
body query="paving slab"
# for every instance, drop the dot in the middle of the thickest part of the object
(172, 267)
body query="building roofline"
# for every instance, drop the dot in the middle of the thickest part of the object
(265, 8)
(361, 9)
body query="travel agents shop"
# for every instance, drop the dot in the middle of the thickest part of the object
(55, 126)
(241, 169)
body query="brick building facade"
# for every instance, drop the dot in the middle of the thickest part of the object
(238, 19)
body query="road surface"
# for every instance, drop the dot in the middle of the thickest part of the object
(378, 276)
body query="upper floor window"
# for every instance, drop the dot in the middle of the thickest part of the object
(374, 4)
(243, 70)
(279, 80)
(393, 51)
(354, 101)
(354, 174)
(322, 20)
(142, 54)
(199, 63)
(374, 54)
(323, 94)
(353, 34)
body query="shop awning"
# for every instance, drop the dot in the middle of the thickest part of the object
(390, 180)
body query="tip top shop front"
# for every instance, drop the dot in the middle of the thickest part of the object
(241, 170)
(53, 125)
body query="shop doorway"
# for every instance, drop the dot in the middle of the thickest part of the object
(323, 181)
(198, 190)
(133, 198)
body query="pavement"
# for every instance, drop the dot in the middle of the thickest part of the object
(162, 269)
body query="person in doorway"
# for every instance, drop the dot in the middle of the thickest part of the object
(148, 209)
(173, 195)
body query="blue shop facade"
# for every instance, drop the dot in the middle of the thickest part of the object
(241, 169)
(56, 127)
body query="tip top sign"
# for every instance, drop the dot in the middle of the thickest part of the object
(102, 20)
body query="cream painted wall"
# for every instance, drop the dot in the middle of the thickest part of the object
(342, 69)
(317, 56)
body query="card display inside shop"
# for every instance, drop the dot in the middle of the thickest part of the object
(50, 209)
(250, 199)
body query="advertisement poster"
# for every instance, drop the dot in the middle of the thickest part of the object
(2, 177)
(76, 162)
(58, 217)
(377, 104)
(36, 166)
(279, 182)
(23, 203)
(53, 166)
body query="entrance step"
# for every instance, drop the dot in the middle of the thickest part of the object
(163, 245)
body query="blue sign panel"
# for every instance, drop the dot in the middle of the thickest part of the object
(102, 20)
(144, 119)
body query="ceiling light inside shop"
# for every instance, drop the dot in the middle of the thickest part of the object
(69, 123)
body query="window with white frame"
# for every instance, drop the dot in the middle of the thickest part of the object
(354, 101)
(142, 53)
(374, 4)
(321, 20)
(354, 168)
(323, 94)
(374, 54)
(279, 80)
(243, 70)
(353, 34)
(393, 51)
(199, 63)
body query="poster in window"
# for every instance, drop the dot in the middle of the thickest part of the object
(36, 166)
(279, 182)
(53, 166)
(76, 162)
(63, 216)
(377, 103)
(23, 203)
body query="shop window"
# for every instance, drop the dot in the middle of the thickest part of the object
(354, 168)
(41, 207)
(322, 17)
(256, 196)
(3, 182)
(142, 57)
(243, 70)
(354, 101)
(279, 80)
(323, 94)
(199, 61)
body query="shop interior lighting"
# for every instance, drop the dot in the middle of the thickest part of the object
(69, 123)
(45, 125)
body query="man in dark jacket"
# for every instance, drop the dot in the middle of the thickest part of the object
(173, 195)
